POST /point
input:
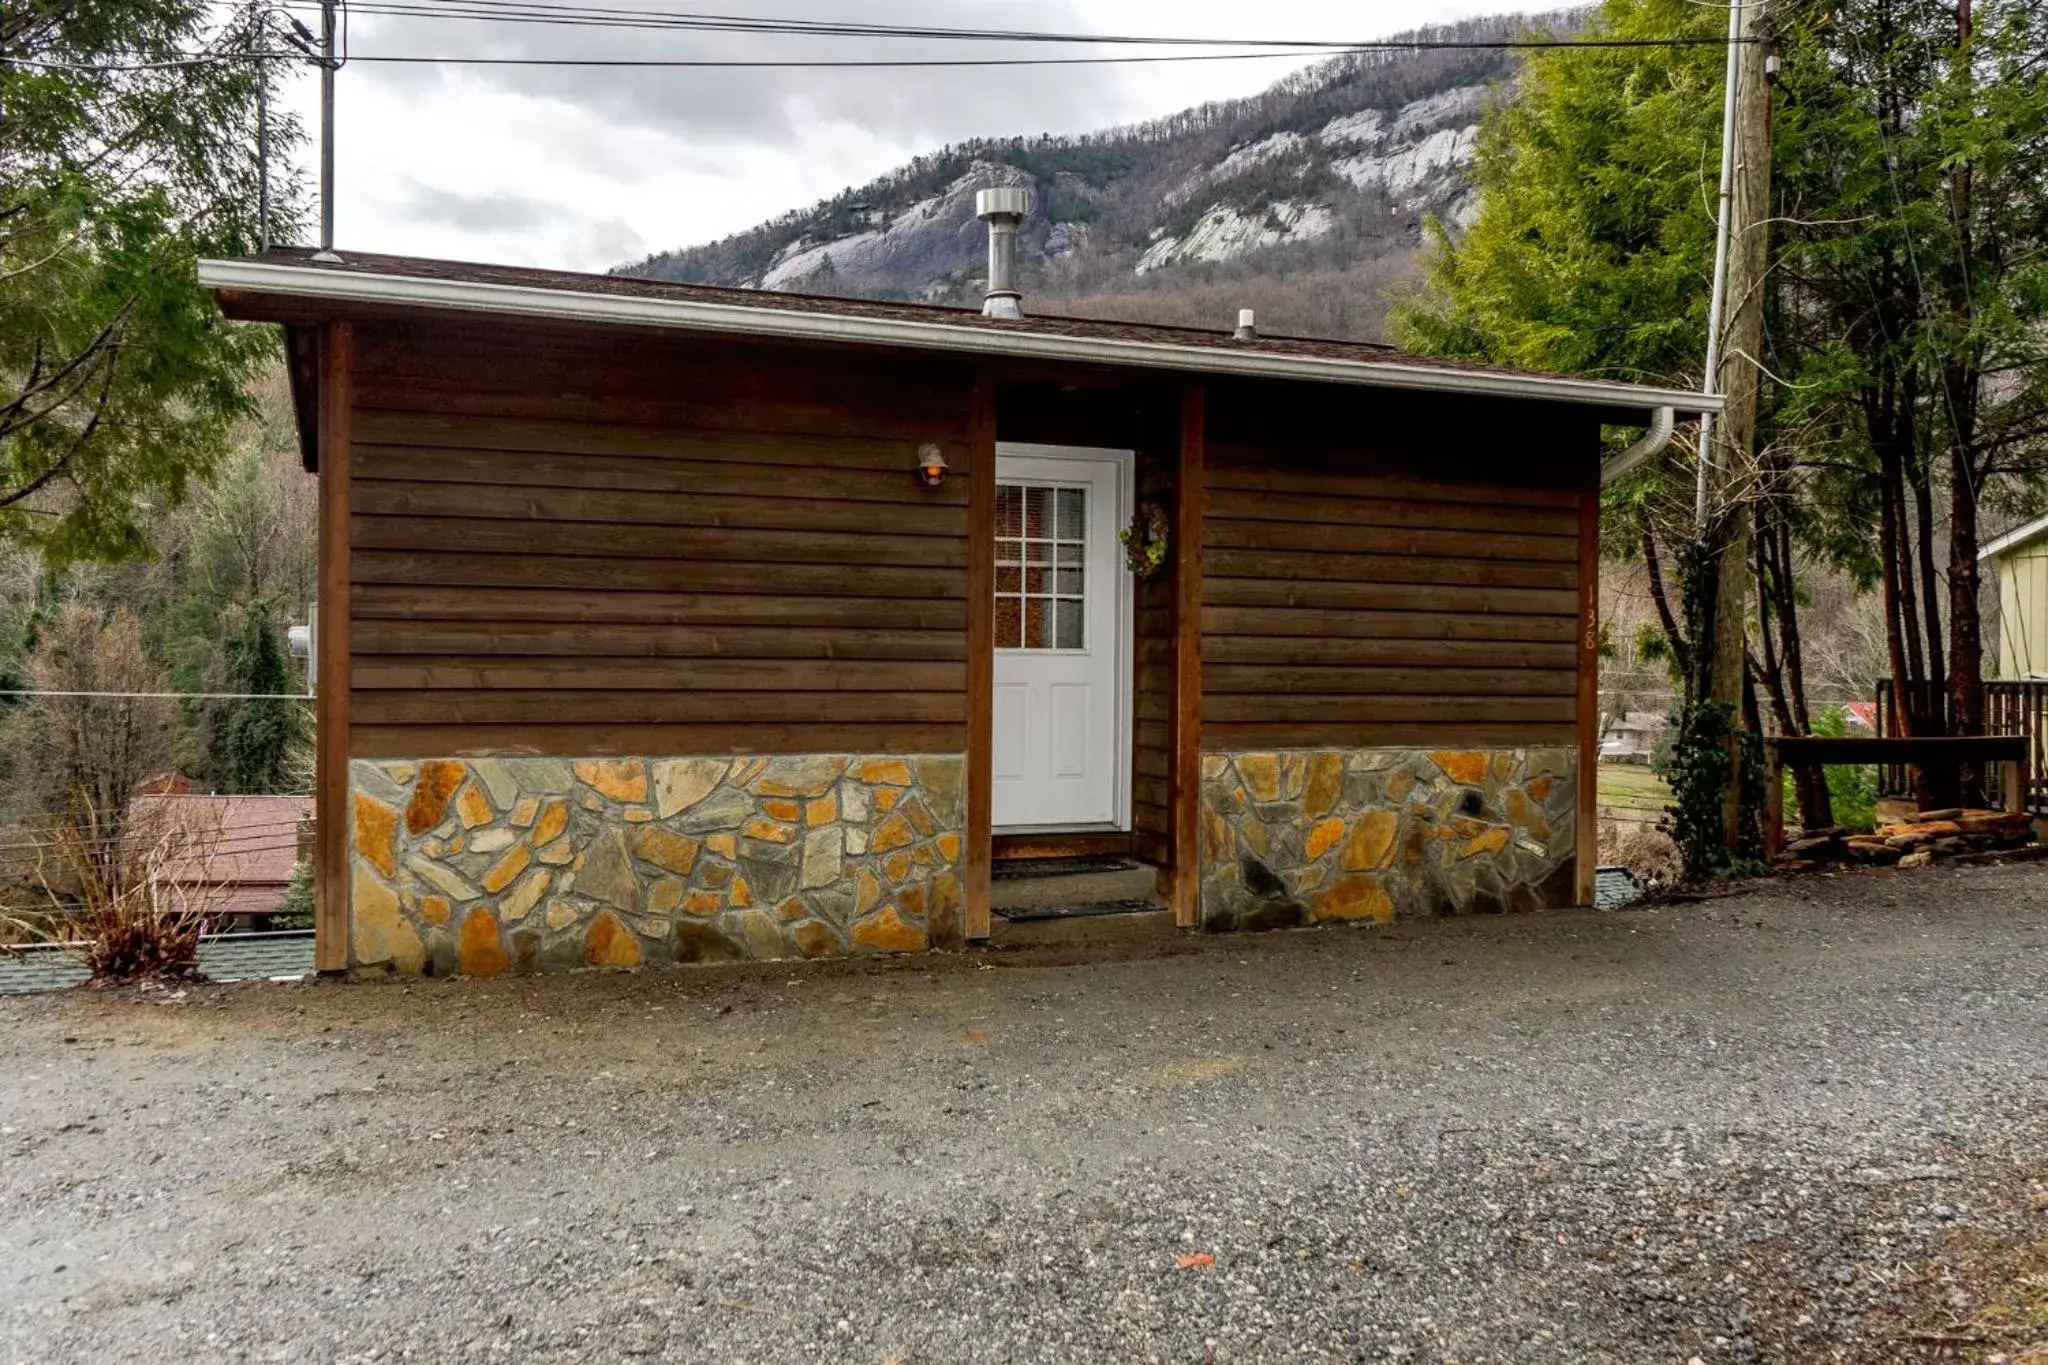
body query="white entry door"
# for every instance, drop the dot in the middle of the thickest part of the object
(1062, 616)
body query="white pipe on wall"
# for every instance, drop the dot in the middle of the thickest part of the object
(1717, 300)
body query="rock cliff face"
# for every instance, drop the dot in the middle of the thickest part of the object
(1331, 169)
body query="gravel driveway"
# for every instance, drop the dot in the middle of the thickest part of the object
(1804, 1123)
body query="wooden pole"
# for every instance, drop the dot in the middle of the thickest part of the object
(1733, 456)
(331, 641)
(981, 654)
(1774, 800)
(1585, 879)
(1184, 787)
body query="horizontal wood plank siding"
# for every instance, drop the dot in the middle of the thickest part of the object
(1381, 571)
(1158, 455)
(574, 541)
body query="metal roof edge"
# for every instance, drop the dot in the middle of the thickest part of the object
(755, 320)
(2013, 539)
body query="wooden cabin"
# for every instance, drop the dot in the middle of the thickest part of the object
(662, 622)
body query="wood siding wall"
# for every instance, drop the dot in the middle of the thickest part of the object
(632, 543)
(1381, 571)
(1152, 674)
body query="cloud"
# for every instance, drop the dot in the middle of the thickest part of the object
(498, 211)
(614, 240)
(776, 107)
(589, 167)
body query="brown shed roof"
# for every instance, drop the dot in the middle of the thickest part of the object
(285, 279)
(225, 841)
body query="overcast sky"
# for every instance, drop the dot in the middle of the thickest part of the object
(584, 168)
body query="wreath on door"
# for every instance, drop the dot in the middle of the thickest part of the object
(1144, 540)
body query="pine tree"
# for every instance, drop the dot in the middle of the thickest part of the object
(254, 742)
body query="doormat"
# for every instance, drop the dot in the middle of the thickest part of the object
(1011, 869)
(1025, 914)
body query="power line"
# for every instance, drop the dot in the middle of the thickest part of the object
(159, 696)
(534, 11)
(721, 63)
(803, 64)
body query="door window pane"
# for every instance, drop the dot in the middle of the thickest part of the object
(1073, 513)
(1039, 606)
(1068, 635)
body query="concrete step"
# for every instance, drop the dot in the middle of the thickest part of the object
(1072, 882)
(1133, 932)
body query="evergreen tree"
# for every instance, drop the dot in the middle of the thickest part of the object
(127, 150)
(256, 738)
(1906, 314)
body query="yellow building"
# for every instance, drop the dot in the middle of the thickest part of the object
(2020, 560)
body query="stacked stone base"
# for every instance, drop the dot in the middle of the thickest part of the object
(1309, 836)
(487, 865)
(482, 866)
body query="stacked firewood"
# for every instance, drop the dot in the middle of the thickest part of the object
(1931, 836)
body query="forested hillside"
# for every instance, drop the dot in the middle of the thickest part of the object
(1305, 202)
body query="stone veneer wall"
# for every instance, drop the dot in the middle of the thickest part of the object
(1301, 836)
(485, 865)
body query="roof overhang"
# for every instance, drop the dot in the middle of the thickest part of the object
(2024, 534)
(1622, 403)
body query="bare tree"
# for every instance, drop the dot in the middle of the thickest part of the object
(84, 743)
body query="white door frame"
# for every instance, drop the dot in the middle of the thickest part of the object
(1126, 462)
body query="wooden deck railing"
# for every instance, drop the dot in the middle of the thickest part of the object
(2010, 708)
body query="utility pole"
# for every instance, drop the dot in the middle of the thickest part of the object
(326, 251)
(1739, 379)
(259, 33)
(262, 155)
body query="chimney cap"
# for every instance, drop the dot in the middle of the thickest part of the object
(1012, 201)
(1247, 325)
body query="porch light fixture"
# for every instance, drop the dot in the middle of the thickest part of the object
(931, 465)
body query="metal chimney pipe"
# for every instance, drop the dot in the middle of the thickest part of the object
(1003, 209)
(1247, 325)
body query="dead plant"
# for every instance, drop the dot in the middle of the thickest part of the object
(128, 902)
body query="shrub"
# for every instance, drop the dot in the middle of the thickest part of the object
(129, 905)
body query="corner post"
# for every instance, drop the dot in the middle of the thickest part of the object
(981, 653)
(1774, 800)
(1184, 790)
(1587, 858)
(331, 724)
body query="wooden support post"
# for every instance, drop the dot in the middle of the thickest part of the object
(1587, 857)
(2015, 778)
(1774, 800)
(1184, 788)
(331, 645)
(981, 653)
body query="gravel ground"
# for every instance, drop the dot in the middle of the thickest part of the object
(1803, 1123)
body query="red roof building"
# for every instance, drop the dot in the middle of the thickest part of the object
(235, 852)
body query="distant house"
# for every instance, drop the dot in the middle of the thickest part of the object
(1633, 736)
(2020, 560)
(233, 854)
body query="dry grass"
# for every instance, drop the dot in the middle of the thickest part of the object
(111, 903)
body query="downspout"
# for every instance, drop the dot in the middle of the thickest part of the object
(1652, 441)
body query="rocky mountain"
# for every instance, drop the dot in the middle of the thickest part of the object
(1305, 201)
